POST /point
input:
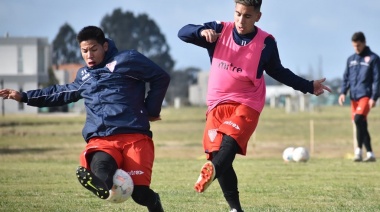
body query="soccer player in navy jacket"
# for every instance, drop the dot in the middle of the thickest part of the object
(118, 112)
(361, 79)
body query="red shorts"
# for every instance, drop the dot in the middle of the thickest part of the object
(360, 107)
(233, 119)
(133, 153)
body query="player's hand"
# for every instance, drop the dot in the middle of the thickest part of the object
(210, 35)
(341, 99)
(372, 103)
(10, 94)
(319, 87)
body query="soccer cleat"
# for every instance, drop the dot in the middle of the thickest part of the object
(92, 183)
(205, 178)
(358, 158)
(370, 159)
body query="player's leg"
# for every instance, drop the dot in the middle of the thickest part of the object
(211, 143)
(138, 161)
(225, 172)
(220, 161)
(104, 167)
(231, 127)
(229, 184)
(224, 158)
(99, 178)
(359, 142)
(363, 136)
(145, 196)
(99, 161)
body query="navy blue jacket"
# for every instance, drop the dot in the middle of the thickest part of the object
(114, 97)
(362, 75)
(269, 60)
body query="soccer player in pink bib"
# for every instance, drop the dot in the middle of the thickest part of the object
(239, 53)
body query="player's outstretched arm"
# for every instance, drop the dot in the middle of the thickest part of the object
(10, 94)
(319, 87)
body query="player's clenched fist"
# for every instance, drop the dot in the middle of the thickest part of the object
(210, 35)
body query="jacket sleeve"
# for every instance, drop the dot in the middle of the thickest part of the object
(144, 69)
(191, 33)
(345, 83)
(275, 69)
(56, 95)
(376, 78)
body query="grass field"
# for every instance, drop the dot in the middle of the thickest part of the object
(39, 155)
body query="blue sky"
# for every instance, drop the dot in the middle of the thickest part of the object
(309, 34)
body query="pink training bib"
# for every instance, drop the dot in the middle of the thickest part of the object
(234, 69)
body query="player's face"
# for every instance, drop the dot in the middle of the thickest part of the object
(92, 52)
(245, 18)
(358, 46)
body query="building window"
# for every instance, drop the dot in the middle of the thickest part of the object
(20, 104)
(41, 60)
(20, 65)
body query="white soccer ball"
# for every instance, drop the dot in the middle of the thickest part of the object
(122, 187)
(300, 154)
(287, 155)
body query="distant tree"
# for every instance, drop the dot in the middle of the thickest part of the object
(140, 33)
(65, 46)
(52, 79)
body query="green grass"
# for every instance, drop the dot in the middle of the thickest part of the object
(39, 156)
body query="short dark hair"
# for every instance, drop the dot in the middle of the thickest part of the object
(254, 3)
(358, 36)
(91, 33)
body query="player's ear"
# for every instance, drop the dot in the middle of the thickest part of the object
(105, 46)
(258, 16)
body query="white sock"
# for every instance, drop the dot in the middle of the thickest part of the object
(358, 151)
(370, 154)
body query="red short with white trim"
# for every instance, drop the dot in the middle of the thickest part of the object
(233, 119)
(134, 153)
(360, 107)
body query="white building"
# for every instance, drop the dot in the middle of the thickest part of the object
(198, 92)
(24, 66)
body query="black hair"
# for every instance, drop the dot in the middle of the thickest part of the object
(358, 36)
(91, 33)
(254, 3)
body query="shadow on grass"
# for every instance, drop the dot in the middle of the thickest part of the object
(13, 151)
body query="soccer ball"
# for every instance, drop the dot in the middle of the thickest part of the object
(122, 187)
(300, 154)
(287, 155)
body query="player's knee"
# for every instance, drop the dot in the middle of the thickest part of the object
(359, 119)
(103, 166)
(229, 142)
